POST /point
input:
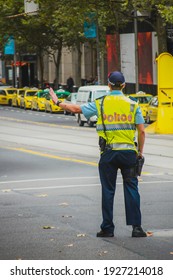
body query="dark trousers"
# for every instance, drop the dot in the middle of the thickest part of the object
(110, 162)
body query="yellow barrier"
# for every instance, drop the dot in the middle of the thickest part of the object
(151, 128)
(164, 123)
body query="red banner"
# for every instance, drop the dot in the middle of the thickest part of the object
(145, 58)
(113, 46)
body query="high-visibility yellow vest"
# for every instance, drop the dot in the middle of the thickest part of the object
(118, 121)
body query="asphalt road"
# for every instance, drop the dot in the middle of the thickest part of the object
(50, 195)
(35, 116)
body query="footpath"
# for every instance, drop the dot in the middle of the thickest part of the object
(158, 149)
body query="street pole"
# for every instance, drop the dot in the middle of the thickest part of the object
(136, 51)
(98, 57)
(15, 66)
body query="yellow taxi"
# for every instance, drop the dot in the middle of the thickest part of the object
(38, 100)
(17, 97)
(143, 99)
(8, 92)
(49, 104)
(152, 110)
(26, 99)
(3, 97)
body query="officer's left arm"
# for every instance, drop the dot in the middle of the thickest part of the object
(141, 137)
(139, 120)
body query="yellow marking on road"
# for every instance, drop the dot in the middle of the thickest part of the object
(145, 173)
(58, 157)
(49, 155)
(63, 158)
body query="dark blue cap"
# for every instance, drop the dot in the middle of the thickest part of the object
(115, 78)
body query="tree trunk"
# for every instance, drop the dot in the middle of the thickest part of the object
(78, 78)
(41, 64)
(57, 65)
(161, 33)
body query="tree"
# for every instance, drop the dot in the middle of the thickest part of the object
(69, 18)
(160, 16)
(60, 24)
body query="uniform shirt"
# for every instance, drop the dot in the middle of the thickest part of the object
(90, 109)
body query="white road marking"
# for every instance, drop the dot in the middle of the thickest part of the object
(79, 178)
(47, 179)
(76, 186)
(55, 187)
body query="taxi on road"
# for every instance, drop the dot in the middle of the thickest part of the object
(143, 100)
(25, 101)
(50, 105)
(152, 110)
(7, 95)
(39, 99)
(3, 97)
(17, 97)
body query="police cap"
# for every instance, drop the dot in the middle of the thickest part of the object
(116, 78)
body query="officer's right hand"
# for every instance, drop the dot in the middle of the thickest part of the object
(53, 95)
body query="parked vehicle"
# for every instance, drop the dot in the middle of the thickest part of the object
(143, 99)
(3, 97)
(17, 97)
(72, 100)
(63, 94)
(88, 94)
(151, 115)
(9, 93)
(49, 104)
(39, 99)
(26, 99)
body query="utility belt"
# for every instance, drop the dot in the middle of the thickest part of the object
(120, 146)
(112, 146)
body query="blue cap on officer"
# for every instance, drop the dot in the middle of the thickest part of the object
(116, 78)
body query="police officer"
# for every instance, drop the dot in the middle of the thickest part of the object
(118, 119)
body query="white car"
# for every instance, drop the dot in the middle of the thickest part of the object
(89, 94)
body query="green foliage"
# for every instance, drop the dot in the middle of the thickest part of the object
(62, 22)
(166, 12)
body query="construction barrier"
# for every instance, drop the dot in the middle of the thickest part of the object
(164, 122)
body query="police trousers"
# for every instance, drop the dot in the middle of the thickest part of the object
(110, 162)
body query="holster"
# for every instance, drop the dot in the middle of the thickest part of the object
(102, 144)
(139, 165)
